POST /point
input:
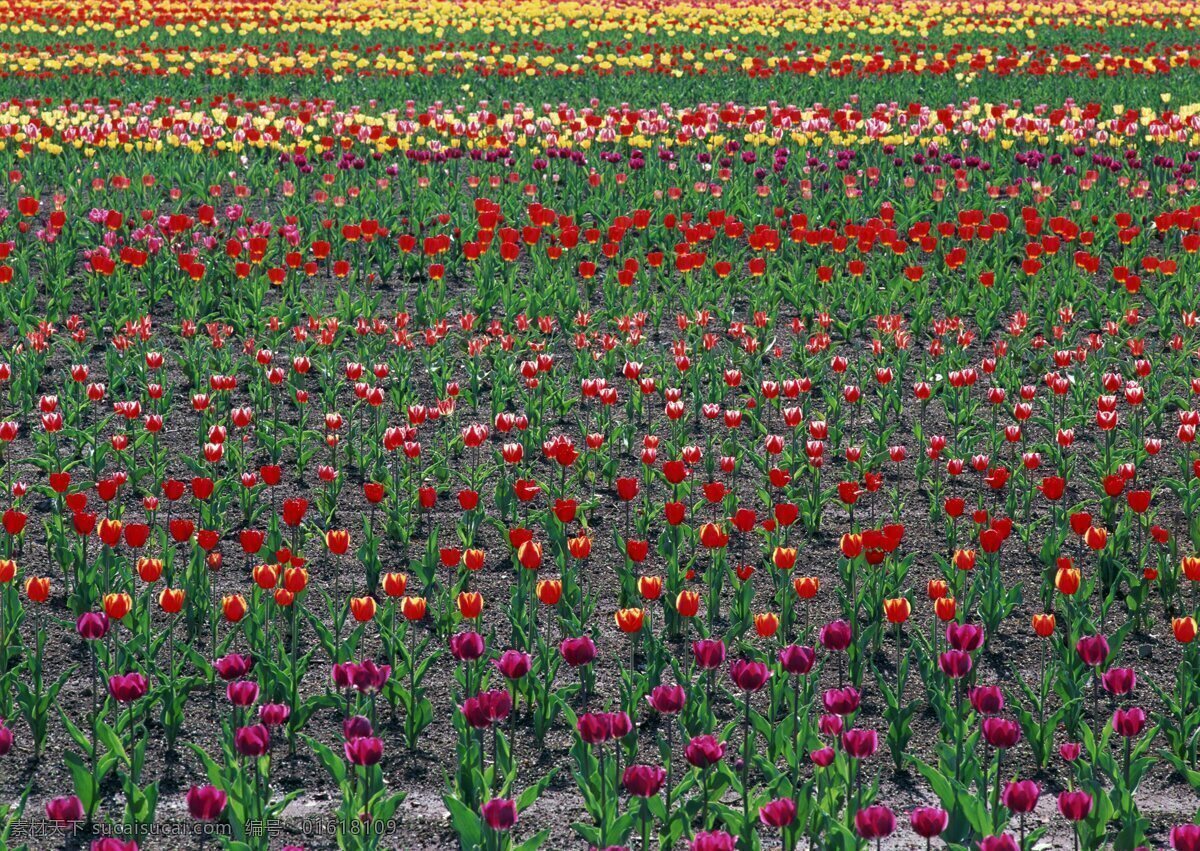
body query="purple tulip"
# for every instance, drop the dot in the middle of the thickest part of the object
(1021, 796)
(65, 812)
(206, 803)
(797, 659)
(356, 727)
(703, 751)
(1119, 681)
(987, 700)
(127, 688)
(841, 701)
(234, 666)
(1075, 805)
(835, 635)
(242, 692)
(1093, 650)
(577, 652)
(748, 675)
(252, 741)
(875, 822)
(823, 757)
(1129, 722)
(1185, 837)
(712, 840)
(274, 714)
(1001, 733)
(367, 750)
(667, 700)
(778, 813)
(709, 653)
(955, 664)
(929, 822)
(92, 626)
(513, 664)
(466, 646)
(1003, 842)
(643, 781)
(500, 814)
(6, 739)
(595, 728)
(965, 637)
(860, 744)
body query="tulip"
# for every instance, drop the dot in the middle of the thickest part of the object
(1074, 805)
(252, 741)
(1185, 837)
(499, 814)
(206, 803)
(715, 840)
(6, 739)
(364, 751)
(929, 822)
(65, 812)
(874, 822)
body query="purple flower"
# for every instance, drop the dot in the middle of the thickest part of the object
(860, 744)
(778, 813)
(274, 714)
(466, 646)
(206, 803)
(242, 692)
(577, 652)
(749, 675)
(127, 688)
(643, 781)
(66, 811)
(797, 659)
(835, 635)
(356, 727)
(667, 700)
(1021, 796)
(712, 840)
(929, 822)
(513, 664)
(1075, 805)
(841, 701)
(703, 751)
(966, 637)
(1129, 722)
(92, 626)
(709, 653)
(366, 750)
(1001, 733)
(500, 814)
(874, 822)
(1093, 650)
(252, 741)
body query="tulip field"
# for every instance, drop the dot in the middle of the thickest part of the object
(617, 424)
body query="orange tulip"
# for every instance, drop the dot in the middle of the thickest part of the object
(171, 600)
(937, 589)
(150, 569)
(284, 597)
(1096, 537)
(897, 609)
(766, 624)
(37, 588)
(1184, 629)
(650, 587)
(945, 608)
(470, 604)
(473, 559)
(1067, 580)
(784, 558)
(687, 603)
(363, 608)
(806, 586)
(395, 584)
(266, 576)
(117, 606)
(1043, 625)
(580, 547)
(8, 570)
(234, 607)
(413, 608)
(851, 545)
(630, 620)
(295, 579)
(530, 555)
(964, 559)
(549, 591)
(1191, 567)
(338, 541)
